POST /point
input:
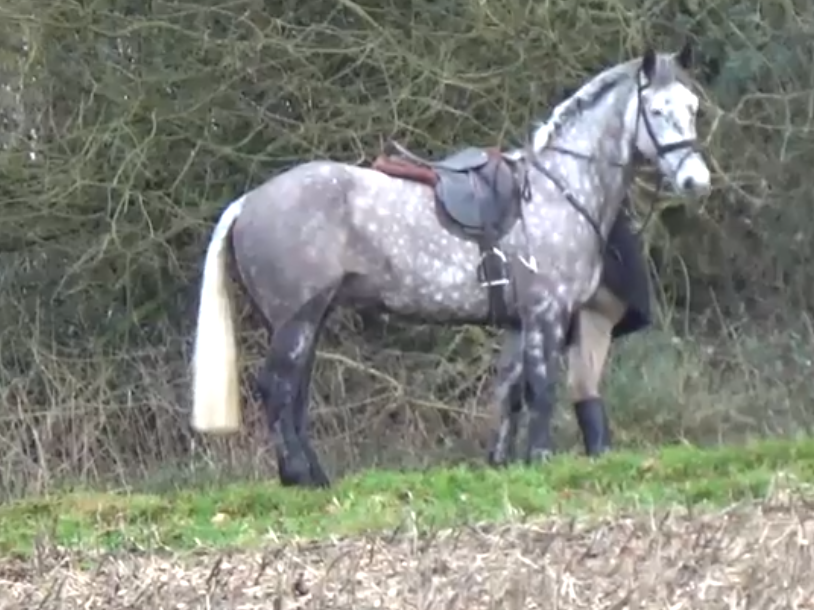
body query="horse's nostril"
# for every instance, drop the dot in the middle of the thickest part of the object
(688, 184)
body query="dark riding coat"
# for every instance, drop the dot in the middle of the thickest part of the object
(625, 274)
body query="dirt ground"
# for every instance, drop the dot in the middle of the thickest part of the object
(756, 557)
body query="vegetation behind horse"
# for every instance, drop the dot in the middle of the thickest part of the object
(101, 245)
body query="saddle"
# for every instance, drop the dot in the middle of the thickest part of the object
(477, 197)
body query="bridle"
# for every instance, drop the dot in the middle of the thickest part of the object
(690, 144)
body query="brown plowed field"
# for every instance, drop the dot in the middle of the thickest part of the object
(755, 557)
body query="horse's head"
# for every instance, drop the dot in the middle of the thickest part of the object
(664, 113)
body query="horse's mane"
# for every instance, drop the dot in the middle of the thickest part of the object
(666, 71)
(589, 93)
(582, 98)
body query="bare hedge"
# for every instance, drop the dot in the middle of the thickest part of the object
(127, 126)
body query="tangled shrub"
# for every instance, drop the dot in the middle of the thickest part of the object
(127, 127)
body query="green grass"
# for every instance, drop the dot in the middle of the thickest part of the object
(245, 513)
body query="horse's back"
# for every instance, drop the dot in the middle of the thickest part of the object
(384, 184)
(324, 179)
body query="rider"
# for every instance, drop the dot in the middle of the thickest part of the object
(620, 307)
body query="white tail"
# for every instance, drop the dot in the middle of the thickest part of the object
(216, 389)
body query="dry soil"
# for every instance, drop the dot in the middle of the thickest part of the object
(749, 556)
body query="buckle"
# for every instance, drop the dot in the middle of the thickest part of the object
(481, 272)
(491, 284)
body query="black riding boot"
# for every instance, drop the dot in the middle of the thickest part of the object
(594, 424)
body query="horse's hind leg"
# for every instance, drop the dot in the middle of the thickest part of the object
(301, 418)
(508, 398)
(283, 384)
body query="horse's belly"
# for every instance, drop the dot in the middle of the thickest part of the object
(441, 285)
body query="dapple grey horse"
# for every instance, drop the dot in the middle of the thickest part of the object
(326, 233)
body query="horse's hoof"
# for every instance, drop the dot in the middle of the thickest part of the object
(498, 459)
(494, 462)
(495, 459)
(539, 456)
(598, 453)
(294, 473)
(318, 477)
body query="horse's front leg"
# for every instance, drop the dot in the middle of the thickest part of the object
(543, 341)
(507, 399)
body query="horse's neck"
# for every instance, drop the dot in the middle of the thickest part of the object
(602, 133)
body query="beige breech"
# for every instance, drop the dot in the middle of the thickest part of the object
(587, 355)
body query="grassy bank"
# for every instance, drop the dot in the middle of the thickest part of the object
(241, 514)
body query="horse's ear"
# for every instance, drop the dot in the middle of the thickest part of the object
(684, 56)
(649, 63)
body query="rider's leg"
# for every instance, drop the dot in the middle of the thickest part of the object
(586, 360)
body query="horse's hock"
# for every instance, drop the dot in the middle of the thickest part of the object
(126, 130)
